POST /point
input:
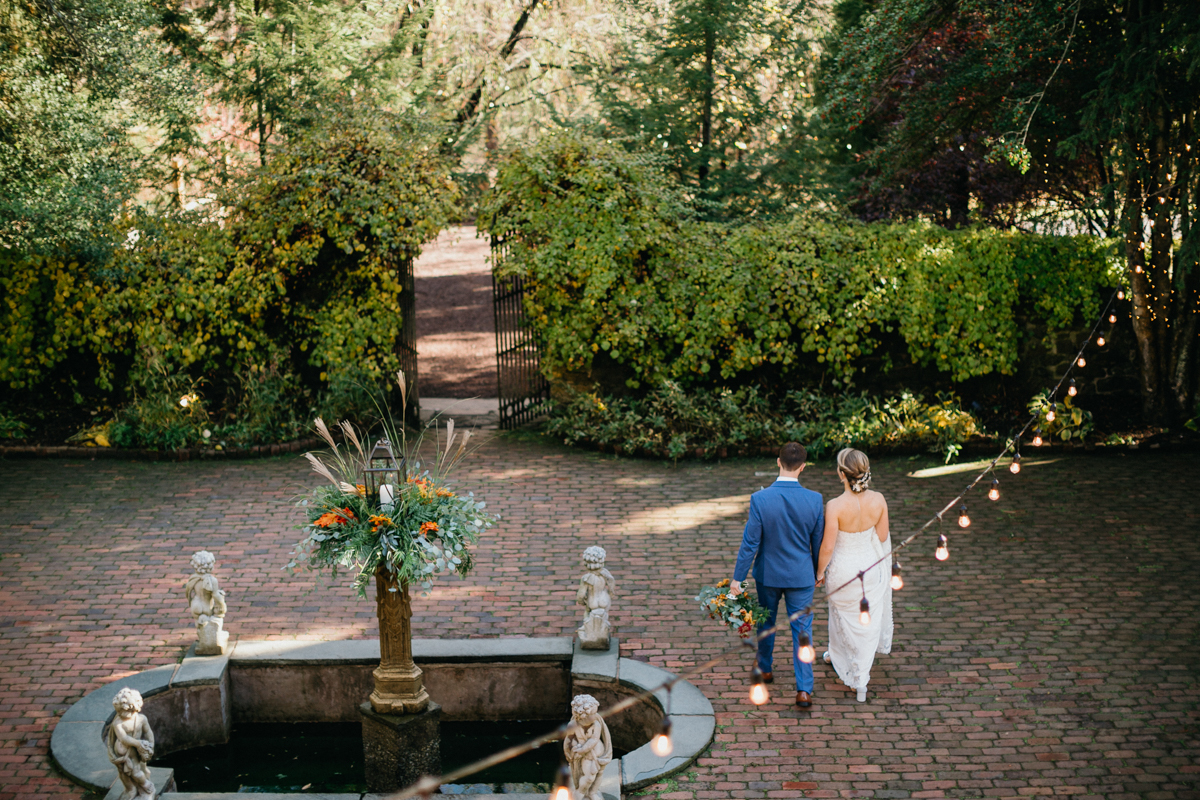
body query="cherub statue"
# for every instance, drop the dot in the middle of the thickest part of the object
(207, 602)
(131, 746)
(595, 591)
(588, 747)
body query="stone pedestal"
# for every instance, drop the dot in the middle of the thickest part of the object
(211, 639)
(400, 748)
(399, 687)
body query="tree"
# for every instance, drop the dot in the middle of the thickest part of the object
(1100, 89)
(88, 102)
(716, 85)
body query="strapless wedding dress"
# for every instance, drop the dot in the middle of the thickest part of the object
(852, 645)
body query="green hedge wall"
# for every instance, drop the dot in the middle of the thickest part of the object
(297, 273)
(614, 265)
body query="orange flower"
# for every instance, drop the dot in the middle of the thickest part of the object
(428, 528)
(338, 517)
(723, 584)
(362, 490)
(445, 493)
(378, 522)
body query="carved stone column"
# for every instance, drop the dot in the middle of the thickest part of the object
(399, 688)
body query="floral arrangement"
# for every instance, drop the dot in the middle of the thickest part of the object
(742, 613)
(425, 530)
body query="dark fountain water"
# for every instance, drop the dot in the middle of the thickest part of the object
(327, 757)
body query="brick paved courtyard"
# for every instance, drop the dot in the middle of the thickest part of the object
(1056, 652)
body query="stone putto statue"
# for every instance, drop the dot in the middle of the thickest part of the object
(595, 591)
(131, 746)
(207, 602)
(588, 746)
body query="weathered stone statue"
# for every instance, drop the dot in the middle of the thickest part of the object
(595, 591)
(588, 747)
(131, 746)
(207, 602)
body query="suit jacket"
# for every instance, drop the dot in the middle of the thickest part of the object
(785, 528)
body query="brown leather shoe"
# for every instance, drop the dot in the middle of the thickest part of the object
(768, 677)
(803, 700)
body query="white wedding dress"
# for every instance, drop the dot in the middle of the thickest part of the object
(852, 645)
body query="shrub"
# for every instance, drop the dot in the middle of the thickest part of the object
(670, 422)
(618, 275)
(290, 292)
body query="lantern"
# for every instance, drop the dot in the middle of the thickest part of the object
(382, 474)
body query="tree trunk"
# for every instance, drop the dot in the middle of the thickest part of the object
(710, 48)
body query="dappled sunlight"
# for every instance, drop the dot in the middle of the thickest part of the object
(976, 466)
(683, 516)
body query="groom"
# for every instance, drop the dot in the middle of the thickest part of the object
(785, 528)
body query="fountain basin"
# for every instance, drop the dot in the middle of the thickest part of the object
(196, 702)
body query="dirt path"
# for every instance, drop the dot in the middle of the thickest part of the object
(456, 339)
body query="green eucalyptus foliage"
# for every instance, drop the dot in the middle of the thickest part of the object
(612, 264)
(670, 422)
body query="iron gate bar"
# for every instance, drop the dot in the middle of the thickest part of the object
(522, 389)
(406, 345)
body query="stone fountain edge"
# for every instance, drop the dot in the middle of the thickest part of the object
(197, 682)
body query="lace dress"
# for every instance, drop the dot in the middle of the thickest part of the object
(852, 646)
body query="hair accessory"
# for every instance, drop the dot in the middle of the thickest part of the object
(860, 483)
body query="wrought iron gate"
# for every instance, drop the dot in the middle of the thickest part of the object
(406, 346)
(523, 391)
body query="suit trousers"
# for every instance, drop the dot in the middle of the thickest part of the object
(794, 600)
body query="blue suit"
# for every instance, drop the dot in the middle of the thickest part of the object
(784, 531)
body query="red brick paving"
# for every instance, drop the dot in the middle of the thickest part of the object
(1056, 653)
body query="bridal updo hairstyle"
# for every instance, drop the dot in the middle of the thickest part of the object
(855, 465)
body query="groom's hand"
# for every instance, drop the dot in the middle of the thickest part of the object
(735, 588)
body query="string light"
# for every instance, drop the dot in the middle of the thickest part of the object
(1082, 361)
(661, 743)
(759, 693)
(864, 612)
(897, 578)
(1037, 437)
(1071, 388)
(806, 652)
(1099, 343)
(562, 784)
(1121, 294)
(1052, 413)
(758, 689)
(1112, 318)
(963, 520)
(943, 548)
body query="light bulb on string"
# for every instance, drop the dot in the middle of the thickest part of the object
(943, 548)
(1099, 341)
(1072, 389)
(864, 612)
(1052, 413)
(1082, 361)
(562, 784)
(661, 743)
(1037, 437)
(1015, 466)
(806, 652)
(758, 689)
(1112, 317)
(1121, 295)
(963, 520)
(994, 492)
(897, 578)
(1137, 268)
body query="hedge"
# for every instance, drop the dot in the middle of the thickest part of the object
(614, 265)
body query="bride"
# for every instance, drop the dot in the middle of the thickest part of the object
(856, 536)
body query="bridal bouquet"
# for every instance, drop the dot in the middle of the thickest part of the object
(742, 613)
